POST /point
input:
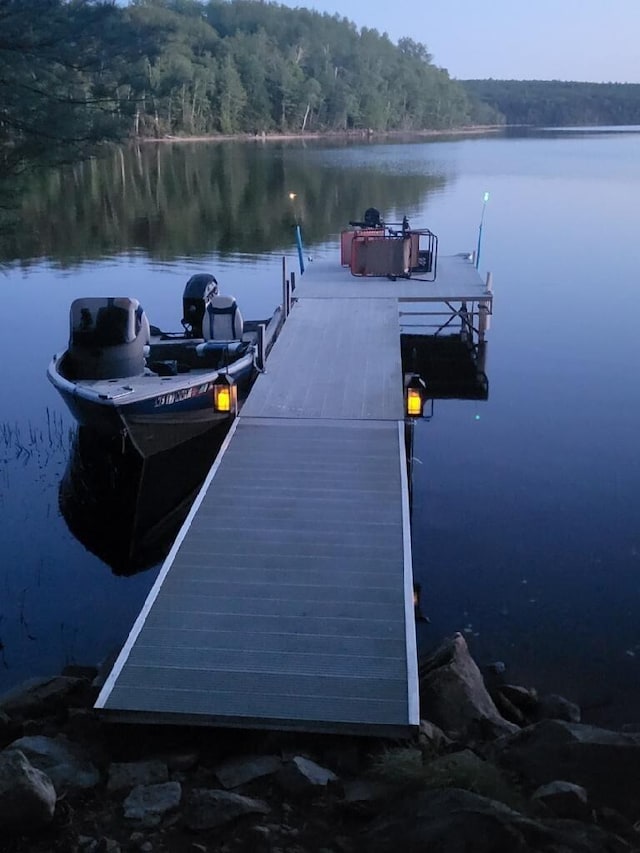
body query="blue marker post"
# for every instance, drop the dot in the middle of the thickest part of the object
(292, 196)
(484, 207)
(300, 251)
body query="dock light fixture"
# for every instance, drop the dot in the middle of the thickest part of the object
(415, 395)
(225, 394)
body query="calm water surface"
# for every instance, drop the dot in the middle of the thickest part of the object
(526, 516)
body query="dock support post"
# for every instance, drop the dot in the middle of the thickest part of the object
(484, 315)
(260, 343)
(286, 298)
(465, 325)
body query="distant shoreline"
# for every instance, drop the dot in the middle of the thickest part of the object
(329, 135)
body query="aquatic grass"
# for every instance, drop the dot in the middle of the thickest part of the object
(407, 768)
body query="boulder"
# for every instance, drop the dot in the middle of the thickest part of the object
(367, 795)
(524, 698)
(209, 808)
(300, 776)
(564, 799)
(240, 771)
(453, 820)
(453, 694)
(602, 761)
(554, 707)
(148, 803)
(130, 774)
(431, 739)
(66, 764)
(27, 795)
(39, 697)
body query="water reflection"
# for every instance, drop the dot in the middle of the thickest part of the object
(188, 200)
(128, 510)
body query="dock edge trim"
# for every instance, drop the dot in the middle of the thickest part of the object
(409, 612)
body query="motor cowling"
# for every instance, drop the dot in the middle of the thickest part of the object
(198, 293)
(107, 337)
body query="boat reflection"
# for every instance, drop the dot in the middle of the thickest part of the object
(128, 510)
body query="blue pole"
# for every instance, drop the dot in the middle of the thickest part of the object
(300, 251)
(484, 206)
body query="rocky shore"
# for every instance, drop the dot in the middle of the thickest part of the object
(494, 768)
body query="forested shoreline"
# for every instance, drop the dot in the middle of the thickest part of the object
(558, 103)
(77, 73)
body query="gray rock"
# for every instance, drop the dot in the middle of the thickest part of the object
(27, 795)
(564, 799)
(38, 697)
(7, 729)
(130, 774)
(453, 694)
(524, 698)
(301, 776)
(452, 820)
(432, 739)
(507, 709)
(553, 707)
(75, 670)
(366, 795)
(614, 822)
(148, 803)
(208, 808)
(239, 771)
(602, 761)
(64, 762)
(107, 845)
(181, 761)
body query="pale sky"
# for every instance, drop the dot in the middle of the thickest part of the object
(586, 40)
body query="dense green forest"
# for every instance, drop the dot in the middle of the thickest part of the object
(556, 103)
(73, 72)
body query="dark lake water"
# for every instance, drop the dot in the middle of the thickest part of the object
(526, 515)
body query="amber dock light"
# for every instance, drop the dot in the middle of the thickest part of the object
(225, 394)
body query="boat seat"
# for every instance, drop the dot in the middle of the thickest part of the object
(222, 320)
(107, 337)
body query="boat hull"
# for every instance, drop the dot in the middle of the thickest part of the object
(169, 396)
(157, 413)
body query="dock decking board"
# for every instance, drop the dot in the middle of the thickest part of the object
(283, 636)
(336, 359)
(287, 599)
(457, 280)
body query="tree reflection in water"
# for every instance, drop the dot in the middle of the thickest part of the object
(182, 200)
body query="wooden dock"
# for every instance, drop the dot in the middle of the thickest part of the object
(287, 599)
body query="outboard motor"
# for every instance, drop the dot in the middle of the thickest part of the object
(372, 218)
(198, 293)
(107, 337)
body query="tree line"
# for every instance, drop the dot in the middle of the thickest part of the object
(73, 72)
(555, 103)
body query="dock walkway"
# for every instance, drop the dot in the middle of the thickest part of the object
(287, 599)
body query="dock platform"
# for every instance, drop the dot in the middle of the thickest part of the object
(287, 600)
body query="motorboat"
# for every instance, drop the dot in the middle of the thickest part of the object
(121, 375)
